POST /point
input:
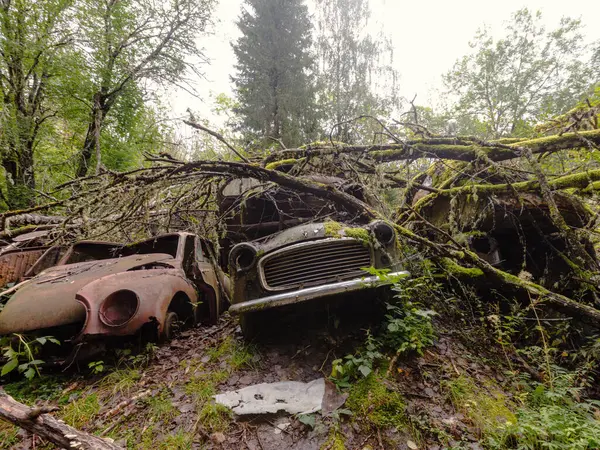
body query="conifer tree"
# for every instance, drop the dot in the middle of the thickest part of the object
(274, 81)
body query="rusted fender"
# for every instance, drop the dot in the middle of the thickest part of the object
(155, 288)
(48, 300)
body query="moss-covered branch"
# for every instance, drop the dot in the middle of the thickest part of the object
(459, 148)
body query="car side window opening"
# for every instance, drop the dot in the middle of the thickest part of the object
(201, 255)
(188, 254)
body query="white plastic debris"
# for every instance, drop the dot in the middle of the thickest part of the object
(293, 397)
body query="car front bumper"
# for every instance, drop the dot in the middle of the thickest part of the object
(325, 290)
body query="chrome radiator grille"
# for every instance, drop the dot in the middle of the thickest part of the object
(314, 263)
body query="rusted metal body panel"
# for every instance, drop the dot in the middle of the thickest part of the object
(154, 288)
(48, 300)
(15, 263)
(112, 290)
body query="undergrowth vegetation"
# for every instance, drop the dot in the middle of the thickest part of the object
(546, 397)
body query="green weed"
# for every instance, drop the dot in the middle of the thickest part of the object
(215, 417)
(160, 407)
(203, 386)
(81, 411)
(121, 380)
(178, 441)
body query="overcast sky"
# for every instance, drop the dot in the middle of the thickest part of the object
(428, 35)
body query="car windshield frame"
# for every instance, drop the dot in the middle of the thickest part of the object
(96, 251)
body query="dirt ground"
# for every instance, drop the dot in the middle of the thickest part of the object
(161, 397)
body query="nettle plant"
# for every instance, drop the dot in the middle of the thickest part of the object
(22, 354)
(407, 328)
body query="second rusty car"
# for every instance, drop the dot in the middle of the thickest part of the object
(308, 262)
(100, 289)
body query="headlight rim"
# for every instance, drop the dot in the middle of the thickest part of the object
(380, 228)
(110, 297)
(235, 253)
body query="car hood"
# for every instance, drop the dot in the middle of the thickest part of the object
(48, 300)
(301, 233)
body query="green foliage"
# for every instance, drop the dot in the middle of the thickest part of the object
(357, 74)
(553, 417)
(525, 76)
(33, 46)
(407, 328)
(356, 365)
(23, 355)
(96, 367)
(274, 87)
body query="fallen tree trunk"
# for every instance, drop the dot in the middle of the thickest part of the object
(39, 422)
(577, 310)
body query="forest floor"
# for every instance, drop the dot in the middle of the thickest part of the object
(161, 397)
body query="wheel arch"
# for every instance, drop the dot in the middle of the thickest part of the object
(182, 305)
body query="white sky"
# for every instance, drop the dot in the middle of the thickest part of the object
(428, 35)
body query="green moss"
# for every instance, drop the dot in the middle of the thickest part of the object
(371, 401)
(335, 441)
(275, 164)
(486, 406)
(321, 144)
(459, 271)
(360, 234)
(332, 229)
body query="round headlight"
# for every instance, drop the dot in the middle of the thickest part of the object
(242, 257)
(119, 308)
(384, 232)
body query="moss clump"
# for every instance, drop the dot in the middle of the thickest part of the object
(321, 144)
(371, 401)
(275, 164)
(459, 271)
(335, 441)
(332, 229)
(486, 406)
(360, 234)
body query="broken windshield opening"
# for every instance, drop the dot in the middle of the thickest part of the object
(94, 251)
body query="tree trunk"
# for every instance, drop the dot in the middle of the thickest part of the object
(37, 421)
(92, 138)
(20, 182)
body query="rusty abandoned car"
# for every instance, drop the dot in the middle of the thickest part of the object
(101, 289)
(290, 247)
(308, 262)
